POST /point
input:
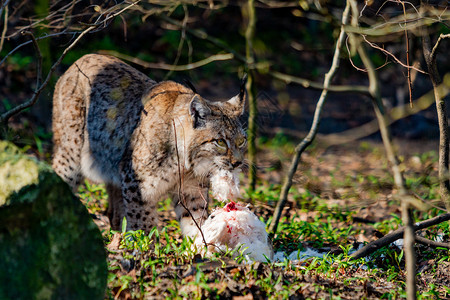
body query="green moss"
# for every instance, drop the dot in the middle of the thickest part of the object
(49, 246)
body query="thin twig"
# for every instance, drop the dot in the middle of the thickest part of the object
(300, 148)
(181, 198)
(39, 59)
(407, 66)
(436, 46)
(414, 21)
(164, 66)
(408, 70)
(360, 89)
(5, 116)
(181, 42)
(5, 26)
(37, 39)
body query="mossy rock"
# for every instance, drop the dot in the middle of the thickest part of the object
(49, 246)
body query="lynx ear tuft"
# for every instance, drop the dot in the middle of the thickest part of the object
(190, 85)
(242, 88)
(198, 110)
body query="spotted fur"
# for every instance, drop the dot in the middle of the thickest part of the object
(144, 140)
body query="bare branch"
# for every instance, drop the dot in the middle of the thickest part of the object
(407, 55)
(430, 243)
(413, 21)
(360, 89)
(37, 39)
(5, 116)
(395, 235)
(4, 5)
(435, 47)
(163, 66)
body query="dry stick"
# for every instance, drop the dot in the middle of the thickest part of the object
(181, 197)
(395, 235)
(5, 116)
(444, 160)
(300, 148)
(251, 92)
(374, 88)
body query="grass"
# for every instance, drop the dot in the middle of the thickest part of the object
(162, 264)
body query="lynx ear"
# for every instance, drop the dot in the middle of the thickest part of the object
(198, 110)
(237, 103)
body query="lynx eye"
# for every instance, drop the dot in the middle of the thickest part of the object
(221, 143)
(241, 141)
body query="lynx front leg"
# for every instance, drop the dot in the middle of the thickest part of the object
(196, 200)
(116, 209)
(139, 214)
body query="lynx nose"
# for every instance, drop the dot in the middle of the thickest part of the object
(236, 163)
(236, 158)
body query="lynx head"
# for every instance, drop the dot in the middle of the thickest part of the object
(217, 148)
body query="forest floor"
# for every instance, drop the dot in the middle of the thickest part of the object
(342, 198)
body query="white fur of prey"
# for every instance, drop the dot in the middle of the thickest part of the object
(225, 185)
(232, 226)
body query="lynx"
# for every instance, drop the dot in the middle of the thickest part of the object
(145, 140)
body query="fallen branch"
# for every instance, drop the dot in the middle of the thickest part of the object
(395, 235)
(430, 243)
